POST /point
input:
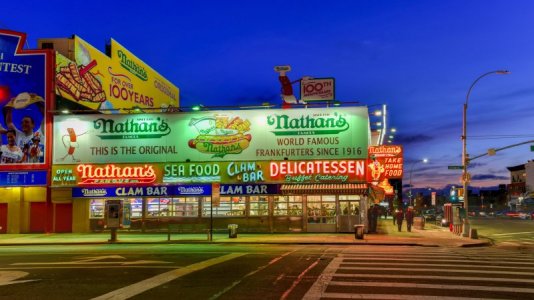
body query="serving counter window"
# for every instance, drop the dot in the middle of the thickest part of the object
(184, 207)
(158, 207)
(259, 206)
(96, 208)
(137, 207)
(321, 209)
(287, 206)
(228, 207)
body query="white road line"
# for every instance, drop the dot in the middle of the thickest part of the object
(235, 283)
(11, 277)
(393, 297)
(437, 270)
(438, 260)
(512, 233)
(437, 265)
(433, 286)
(459, 278)
(319, 286)
(142, 286)
(370, 256)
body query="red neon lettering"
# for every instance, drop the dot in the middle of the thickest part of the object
(115, 174)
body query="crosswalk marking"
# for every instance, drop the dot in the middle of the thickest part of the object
(442, 260)
(439, 265)
(433, 286)
(452, 274)
(512, 233)
(412, 269)
(461, 278)
(396, 297)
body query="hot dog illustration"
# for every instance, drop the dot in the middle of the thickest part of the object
(222, 144)
(220, 135)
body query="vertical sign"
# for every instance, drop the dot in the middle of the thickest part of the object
(433, 198)
(26, 78)
(216, 194)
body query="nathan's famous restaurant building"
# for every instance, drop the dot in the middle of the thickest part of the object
(267, 170)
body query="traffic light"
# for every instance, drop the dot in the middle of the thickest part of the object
(453, 195)
(460, 192)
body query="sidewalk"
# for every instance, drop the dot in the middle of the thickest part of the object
(431, 236)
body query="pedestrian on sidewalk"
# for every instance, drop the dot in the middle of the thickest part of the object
(394, 215)
(409, 218)
(400, 218)
(376, 215)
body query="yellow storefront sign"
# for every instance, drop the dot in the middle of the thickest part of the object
(120, 82)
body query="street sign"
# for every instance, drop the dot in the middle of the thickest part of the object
(531, 148)
(455, 167)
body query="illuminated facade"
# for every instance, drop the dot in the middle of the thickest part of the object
(275, 170)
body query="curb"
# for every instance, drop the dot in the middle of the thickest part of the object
(189, 242)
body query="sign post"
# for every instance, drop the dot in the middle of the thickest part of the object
(455, 167)
(215, 200)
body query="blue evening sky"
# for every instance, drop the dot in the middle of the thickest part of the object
(418, 57)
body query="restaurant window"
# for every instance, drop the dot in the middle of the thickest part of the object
(287, 206)
(96, 208)
(259, 206)
(158, 207)
(137, 207)
(228, 206)
(184, 207)
(321, 209)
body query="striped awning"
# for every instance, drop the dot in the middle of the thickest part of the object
(322, 189)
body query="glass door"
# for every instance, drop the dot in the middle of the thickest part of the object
(349, 213)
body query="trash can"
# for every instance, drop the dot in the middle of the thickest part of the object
(232, 231)
(419, 223)
(358, 231)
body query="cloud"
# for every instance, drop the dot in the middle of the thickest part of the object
(488, 177)
(477, 164)
(412, 139)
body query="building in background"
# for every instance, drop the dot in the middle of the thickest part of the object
(521, 186)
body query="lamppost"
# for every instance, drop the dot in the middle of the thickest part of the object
(425, 160)
(465, 159)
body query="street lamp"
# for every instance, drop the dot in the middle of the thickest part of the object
(425, 160)
(465, 159)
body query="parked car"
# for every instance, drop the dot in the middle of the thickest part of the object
(441, 221)
(523, 215)
(429, 215)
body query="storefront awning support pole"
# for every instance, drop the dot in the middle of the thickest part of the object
(210, 236)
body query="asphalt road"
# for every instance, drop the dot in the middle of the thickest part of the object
(505, 231)
(262, 271)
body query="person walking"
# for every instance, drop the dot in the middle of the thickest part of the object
(409, 219)
(370, 219)
(400, 218)
(376, 215)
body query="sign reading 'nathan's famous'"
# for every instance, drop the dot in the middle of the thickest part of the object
(256, 135)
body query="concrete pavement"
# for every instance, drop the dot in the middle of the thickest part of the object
(387, 234)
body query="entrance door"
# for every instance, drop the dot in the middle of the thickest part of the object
(37, 217)
(63, 217)
(3, 217)
(349, 215)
